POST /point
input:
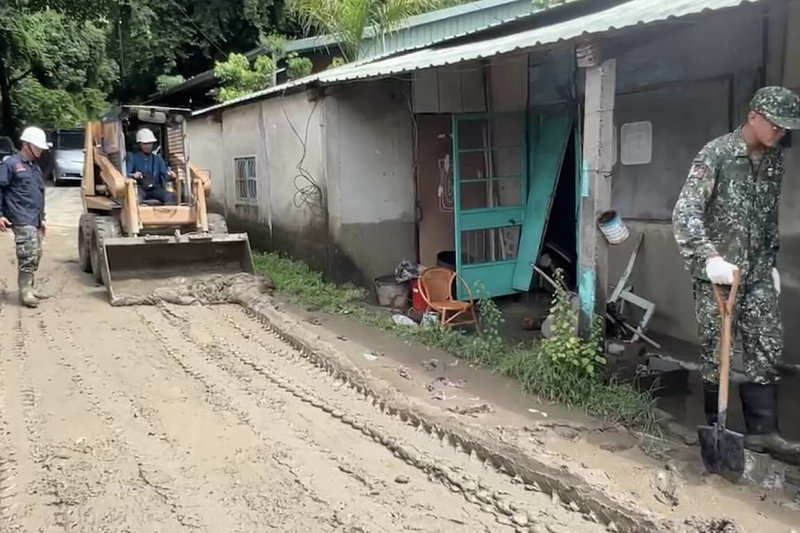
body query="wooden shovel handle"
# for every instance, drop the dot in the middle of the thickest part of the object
(726, 309)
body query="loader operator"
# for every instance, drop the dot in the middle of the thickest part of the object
(22, 209)
(150, 170)
(727, 218)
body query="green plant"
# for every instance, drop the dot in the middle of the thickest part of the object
(237, 78)
(298, 67)
(337, 62)
(166, 82)
(564, 348)
(560, 369)
(348, 20)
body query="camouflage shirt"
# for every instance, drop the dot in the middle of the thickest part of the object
(729, 207)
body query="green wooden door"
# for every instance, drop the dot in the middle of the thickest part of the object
(491, 185)
(548, 137)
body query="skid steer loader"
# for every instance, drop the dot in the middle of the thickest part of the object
(131, 246)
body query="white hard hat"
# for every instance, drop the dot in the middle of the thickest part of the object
(145, 136)
(36, 137)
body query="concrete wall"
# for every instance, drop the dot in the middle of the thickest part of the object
(368, 151)
(264, 130)
(692, 82)
(206, 150)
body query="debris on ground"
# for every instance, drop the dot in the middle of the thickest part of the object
(430, 364)
(532, 323)
(444, 382)
(404, 373)
(205, 290)
(372, 356)
(537, 412)
(402, 480)
(403, 320)
(667, 484)
(715, 525)
(472, 411)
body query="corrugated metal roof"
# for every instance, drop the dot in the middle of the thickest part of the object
(629, 14)
(417, 32)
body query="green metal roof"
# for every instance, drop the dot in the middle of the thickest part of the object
(627, 15)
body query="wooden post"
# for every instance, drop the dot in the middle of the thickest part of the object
(598, 139)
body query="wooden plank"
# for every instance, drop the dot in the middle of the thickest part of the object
(545, 167)
(595, 190)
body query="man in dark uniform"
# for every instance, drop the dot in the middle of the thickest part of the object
(149, 170)
(22, 209)
(726, 219)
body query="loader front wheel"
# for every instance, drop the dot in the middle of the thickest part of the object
(217, 225)
(104, 227)
(85, 227)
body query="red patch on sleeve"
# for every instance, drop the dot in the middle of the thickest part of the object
(699, 171)
(20, 167)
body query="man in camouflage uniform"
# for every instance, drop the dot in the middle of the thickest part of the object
(22, 209)
(726, 218)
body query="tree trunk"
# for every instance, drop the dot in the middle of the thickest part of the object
(5, 95)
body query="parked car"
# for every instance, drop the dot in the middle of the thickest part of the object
(68, 155)
(6, 147)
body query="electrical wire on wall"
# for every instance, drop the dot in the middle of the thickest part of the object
(307, 191)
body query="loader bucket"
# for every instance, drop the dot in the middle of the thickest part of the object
(137, 266)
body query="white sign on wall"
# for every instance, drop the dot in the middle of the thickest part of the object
(636, 141)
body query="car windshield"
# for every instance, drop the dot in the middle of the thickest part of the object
(69, 141)
(6, 146)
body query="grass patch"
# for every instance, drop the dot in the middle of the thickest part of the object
(564, 369)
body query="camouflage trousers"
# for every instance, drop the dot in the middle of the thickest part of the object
(757, 319)
(28, 240)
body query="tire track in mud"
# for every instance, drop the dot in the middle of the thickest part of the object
(185, 488)
(23, 452)
(8, 454)
(80, 384)
(214, 358)
(492, 492)
(220, 400)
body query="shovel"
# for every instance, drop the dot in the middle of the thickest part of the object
(722, 449)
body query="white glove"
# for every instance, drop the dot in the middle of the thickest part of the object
(776, 280)
(719, 271)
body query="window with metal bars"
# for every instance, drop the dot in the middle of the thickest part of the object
(246, 180)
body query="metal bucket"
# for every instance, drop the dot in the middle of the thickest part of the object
(391, 293)
(613, 227)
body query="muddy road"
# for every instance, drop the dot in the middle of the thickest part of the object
(190, 418)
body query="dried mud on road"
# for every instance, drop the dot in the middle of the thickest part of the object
(169, 418)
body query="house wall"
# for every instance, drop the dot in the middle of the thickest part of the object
(368, 151)
(690, 98)
(263, 130)
(789, 256)
(206, 151)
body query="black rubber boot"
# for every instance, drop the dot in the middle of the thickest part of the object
(710, 402)
(760, 409)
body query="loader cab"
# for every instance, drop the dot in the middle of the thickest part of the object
(169, 127)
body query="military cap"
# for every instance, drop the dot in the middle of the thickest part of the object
(778, 105)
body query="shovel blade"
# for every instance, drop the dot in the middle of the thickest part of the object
(722, 450)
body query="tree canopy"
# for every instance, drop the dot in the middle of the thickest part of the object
(63, 61)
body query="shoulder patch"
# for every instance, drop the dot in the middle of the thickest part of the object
(699, 171)
(20, 167)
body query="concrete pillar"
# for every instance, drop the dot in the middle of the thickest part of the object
(598, 132)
